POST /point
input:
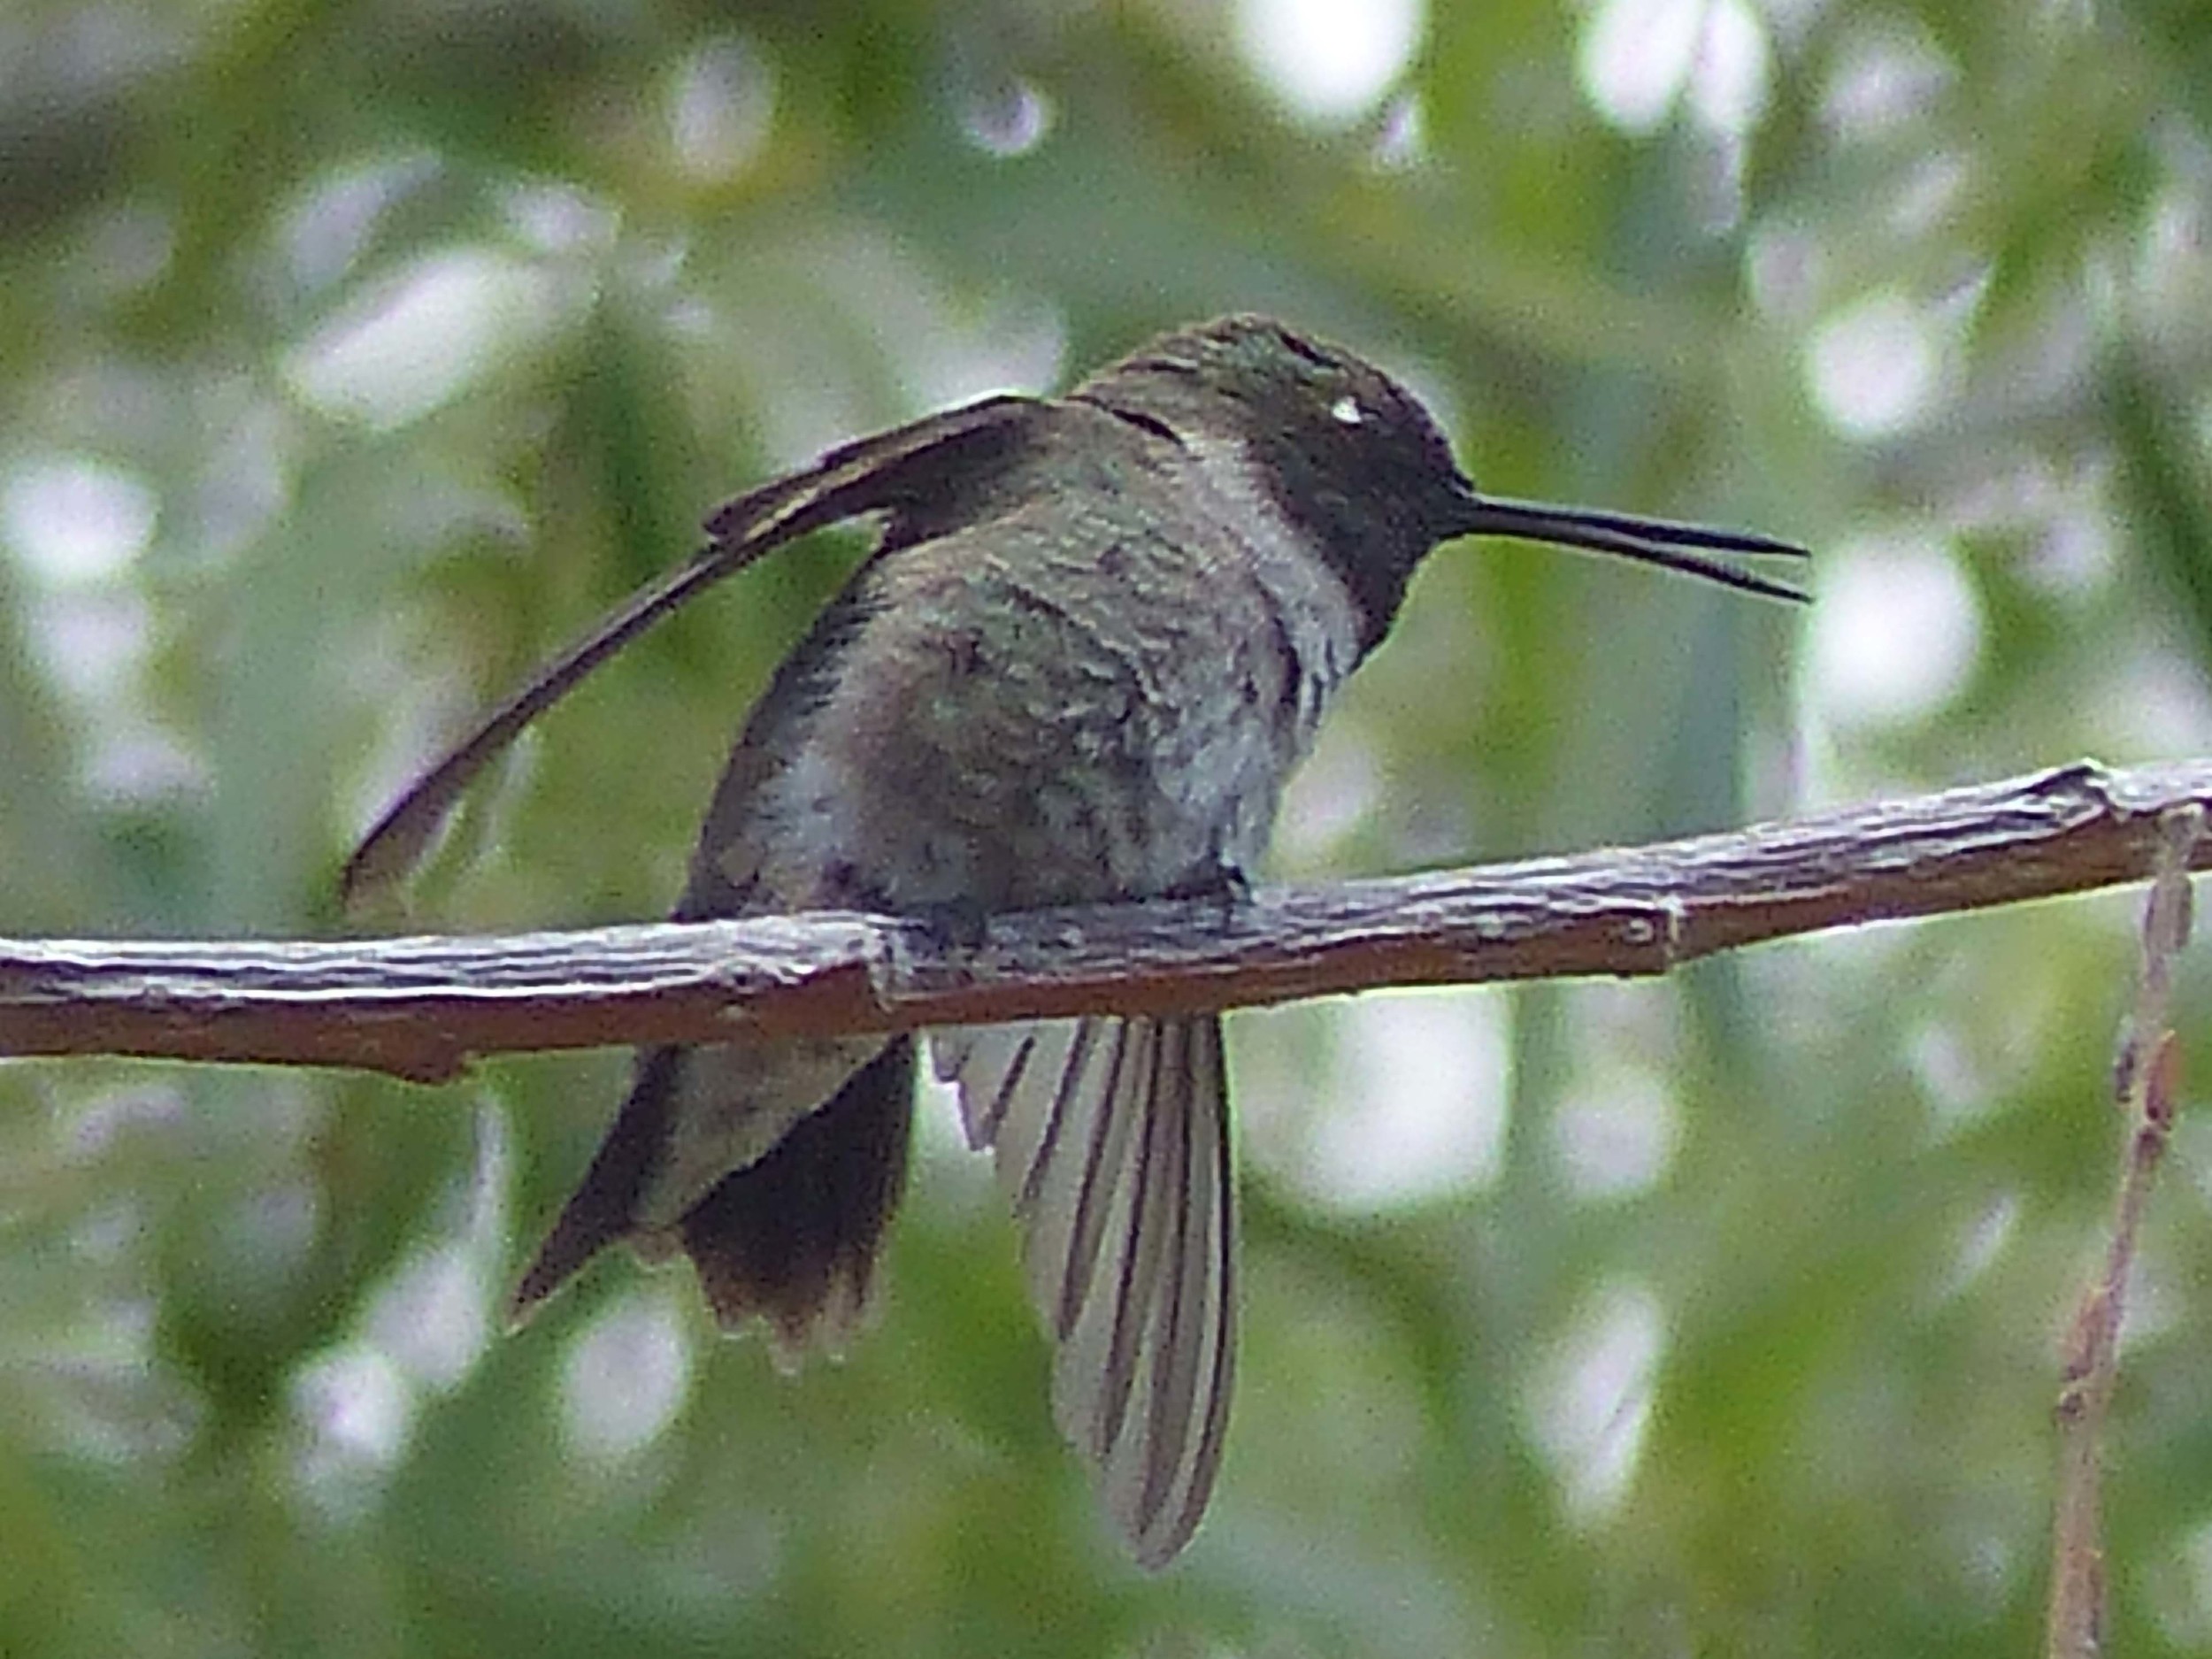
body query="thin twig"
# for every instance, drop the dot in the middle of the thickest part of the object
(422, 1006)
(2148, 1069)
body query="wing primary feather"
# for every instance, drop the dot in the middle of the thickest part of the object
(889, 472)
(395, 843)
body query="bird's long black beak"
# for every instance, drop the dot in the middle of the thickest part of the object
(1660, 541)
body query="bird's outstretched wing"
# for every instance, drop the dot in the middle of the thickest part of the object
(885, 473)
(1111, 1138)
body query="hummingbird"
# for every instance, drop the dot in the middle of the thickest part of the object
(1097, 633)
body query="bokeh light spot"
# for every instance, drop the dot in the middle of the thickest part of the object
(1873, 370)
(1330, 60)
(1896, 634)
(74, 521)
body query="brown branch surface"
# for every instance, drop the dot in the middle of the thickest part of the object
(2148, 1086)
(422, 1006)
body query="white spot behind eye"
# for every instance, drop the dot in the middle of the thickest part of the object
(1346, 410)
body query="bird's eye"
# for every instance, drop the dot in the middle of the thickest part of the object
(1346, 411)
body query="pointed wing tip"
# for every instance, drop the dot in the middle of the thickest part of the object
(576, 1239)
(384, 858)
(522, 1305)
(533, 1289)
(363, 880)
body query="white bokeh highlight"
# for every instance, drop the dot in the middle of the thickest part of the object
(354, 1411)
(73, 520)
(431, 1318)
(359, 1403)
(721, 108)
(1330, 60)
(625, 1376)
(1588, 1398)
(412, 344)
(1874, 370)
(1896, 634)
(1885, 77)
(1614, 1132)
(1416, 1098)
(1638, 59)
(1009, 120)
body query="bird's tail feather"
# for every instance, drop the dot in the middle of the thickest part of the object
(793, 1237)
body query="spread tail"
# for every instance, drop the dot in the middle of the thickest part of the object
(1111, 1136)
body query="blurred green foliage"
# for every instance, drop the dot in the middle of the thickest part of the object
(352, 357)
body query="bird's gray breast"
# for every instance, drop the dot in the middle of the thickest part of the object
(1079, 701)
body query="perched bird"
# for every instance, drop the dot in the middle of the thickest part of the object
(1098, 633)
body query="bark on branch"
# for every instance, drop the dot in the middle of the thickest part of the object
(423, 1007)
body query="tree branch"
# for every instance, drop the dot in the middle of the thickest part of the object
(422, 1008)
(2148, 1085)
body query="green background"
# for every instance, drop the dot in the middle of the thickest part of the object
(364, 352)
